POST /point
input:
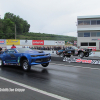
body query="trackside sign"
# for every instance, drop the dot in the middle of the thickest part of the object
(37, 42)
(2, 41)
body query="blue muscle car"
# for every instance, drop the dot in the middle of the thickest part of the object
(24, 57)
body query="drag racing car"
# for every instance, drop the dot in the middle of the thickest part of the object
(24, 57)
(74, 51)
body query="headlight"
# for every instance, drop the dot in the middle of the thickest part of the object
(33, 55)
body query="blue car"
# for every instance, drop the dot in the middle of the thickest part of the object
(24, 57)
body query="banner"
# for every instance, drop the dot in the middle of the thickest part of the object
(11, 42)
(37, 42)
(78, 60)
(59, 42)
(93, 48)
(2, 41)
(25, 42)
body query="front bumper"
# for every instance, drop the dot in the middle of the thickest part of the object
(40, 60)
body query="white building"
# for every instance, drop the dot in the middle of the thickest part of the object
(88, 31)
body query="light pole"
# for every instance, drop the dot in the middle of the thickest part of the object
(15, 31)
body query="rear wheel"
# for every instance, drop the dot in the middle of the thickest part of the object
(87, 54)
(25, 65)
(45, 64)
(81, 54)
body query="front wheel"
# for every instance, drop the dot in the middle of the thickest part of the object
(45, 64)
(87, 55)
(1, 63)
(25, 65)
(81, 54)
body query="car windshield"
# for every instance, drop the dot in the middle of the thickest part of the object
(74, 47)
(21, 50)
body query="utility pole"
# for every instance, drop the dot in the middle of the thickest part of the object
(15, 31)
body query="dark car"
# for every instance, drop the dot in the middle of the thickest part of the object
(74, 51)
(78, 51)
(24, 57)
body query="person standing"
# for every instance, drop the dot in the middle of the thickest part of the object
(13, 46)
(0, 50)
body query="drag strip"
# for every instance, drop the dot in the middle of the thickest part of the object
(60, 80)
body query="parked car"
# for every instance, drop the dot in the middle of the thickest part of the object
(75, 51)
(24, 57)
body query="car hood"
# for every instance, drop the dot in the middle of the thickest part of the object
(36, 52)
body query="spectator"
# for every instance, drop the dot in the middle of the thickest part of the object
(13, 46)
(0, 50)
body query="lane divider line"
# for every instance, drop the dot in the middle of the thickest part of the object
(35, 89)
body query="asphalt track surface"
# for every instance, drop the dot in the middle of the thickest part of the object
(59, 81)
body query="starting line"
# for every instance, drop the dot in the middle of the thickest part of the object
(78, 60)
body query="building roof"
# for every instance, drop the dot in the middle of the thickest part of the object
(91, 16)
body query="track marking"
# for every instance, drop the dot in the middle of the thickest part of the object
(94, 68)
(77, 66)
(60, 64)
(74, 66)
(85, 67)
(35, 89)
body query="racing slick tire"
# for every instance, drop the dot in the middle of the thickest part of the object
(45, 64)
(25, 65)
(81, 54)
(87, 55)
(1, 63)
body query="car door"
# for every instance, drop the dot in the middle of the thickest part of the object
(10, 56)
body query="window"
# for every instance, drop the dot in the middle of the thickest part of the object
(93, 22)
(98, 34)
(80, 34)
(10, 51)
(93, 34)
(80, 23)
(98, 22)
(87, 34)
(84, 44)
(92, 43)
(86, 22)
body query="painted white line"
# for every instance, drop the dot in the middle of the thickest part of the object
(52, 63)
(94, 68)
(35, 89)
(77, 66)
(85, 67)
(69, 65)
(60, 64)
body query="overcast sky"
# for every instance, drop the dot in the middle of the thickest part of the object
(51, 16)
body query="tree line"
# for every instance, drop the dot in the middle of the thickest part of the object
(7, 26)
(7, 30)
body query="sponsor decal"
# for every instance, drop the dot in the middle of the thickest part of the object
(18, 59)
(59, 42)
(37, 42)
(11, 42)
(25, 42)
(81, 60)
